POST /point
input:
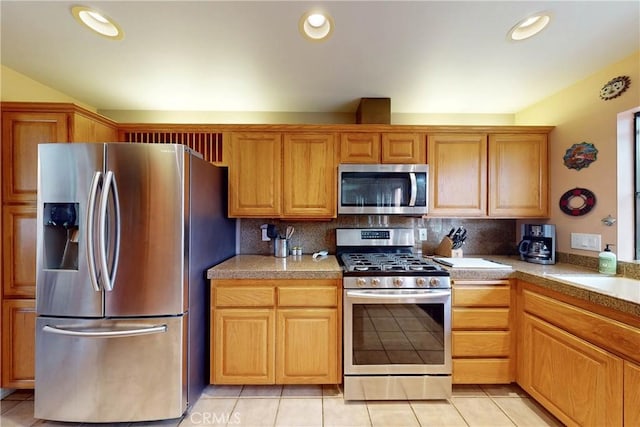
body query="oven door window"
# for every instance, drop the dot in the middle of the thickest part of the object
(410, 338)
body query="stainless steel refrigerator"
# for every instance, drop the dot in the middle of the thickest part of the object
(125, 235)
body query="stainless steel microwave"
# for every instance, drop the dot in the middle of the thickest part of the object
(383, 189)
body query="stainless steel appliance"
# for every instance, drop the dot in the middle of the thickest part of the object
(383, 189)
(538, 244)
(397, 318)
(125, 233)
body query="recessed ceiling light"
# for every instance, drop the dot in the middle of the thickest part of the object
(97, 22)
(316, 26)
(530, 26)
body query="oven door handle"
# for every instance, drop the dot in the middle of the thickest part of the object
(378, 296)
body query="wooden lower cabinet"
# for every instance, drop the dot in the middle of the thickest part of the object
(18, 343)
(243, 350)
(579, 383)
(631, 394)
(482, 346)
(299, 358)
(578, 359)
(276, 332)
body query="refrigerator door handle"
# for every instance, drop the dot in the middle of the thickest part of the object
(109, 185)
(105, 334)
(91, 213)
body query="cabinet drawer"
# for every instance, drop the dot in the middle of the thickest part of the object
(244, 297)
(481, 296)
(321, 296)
(481, 371)
(480, 344)
(609, 334)
(480, 318)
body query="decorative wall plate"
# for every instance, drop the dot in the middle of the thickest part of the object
(577, 202)
(580, 155)
(614, 87)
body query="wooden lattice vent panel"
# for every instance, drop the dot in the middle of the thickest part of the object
(209, 144)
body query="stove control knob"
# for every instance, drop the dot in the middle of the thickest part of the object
(375, 282)
(421, 281)
(434, 282)
(361, 282)
(397, 282)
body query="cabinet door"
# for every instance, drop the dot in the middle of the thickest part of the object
(86, 129)
(578, 382)
(307, 350)
(631, 394)
(360, 147)
(255, 175)
(21, 134)
(409, 148)
(243, 346)
(18, 343)
(309, 176)
(19, 251)
(457, 175)
(518, 176)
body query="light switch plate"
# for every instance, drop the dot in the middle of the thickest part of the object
(586, 242)
(422, 234)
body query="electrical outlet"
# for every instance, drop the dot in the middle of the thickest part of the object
(586, 242)
(422, 234)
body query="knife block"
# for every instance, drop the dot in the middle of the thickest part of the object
(445, 249)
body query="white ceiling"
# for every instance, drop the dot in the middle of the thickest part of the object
(429, 57)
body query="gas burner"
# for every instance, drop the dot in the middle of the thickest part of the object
(388, 263)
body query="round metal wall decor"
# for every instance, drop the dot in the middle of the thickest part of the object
(580, 155)
(577, 202)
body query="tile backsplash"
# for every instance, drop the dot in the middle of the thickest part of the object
(484, 236)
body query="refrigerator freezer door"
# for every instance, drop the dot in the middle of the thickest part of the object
(121, 370)
(151, 192)
(65, 176)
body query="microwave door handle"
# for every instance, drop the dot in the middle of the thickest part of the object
(90, 224)
(414, 189)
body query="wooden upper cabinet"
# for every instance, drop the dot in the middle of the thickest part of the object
(375, 147)
(276, 176)
(403, 148)
(309, 175)
(360, 147)
(21, 134)
(457, 174)
(518, 175)
(255, 174)
(86, 129)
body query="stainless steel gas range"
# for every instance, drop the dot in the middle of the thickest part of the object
(397, 317)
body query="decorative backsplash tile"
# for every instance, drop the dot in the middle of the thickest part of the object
(484, 236)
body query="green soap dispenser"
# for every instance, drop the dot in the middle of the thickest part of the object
(607, 261)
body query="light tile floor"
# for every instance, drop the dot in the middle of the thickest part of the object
(299, 406)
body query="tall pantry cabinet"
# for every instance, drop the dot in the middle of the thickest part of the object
(24, 126)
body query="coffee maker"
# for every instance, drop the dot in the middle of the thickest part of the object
(538, 244)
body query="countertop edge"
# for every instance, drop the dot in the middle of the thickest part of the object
(269, 267)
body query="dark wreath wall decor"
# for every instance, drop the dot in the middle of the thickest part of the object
(577, 202)
(580, 155)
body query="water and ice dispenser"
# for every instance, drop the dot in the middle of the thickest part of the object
(61, 233)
